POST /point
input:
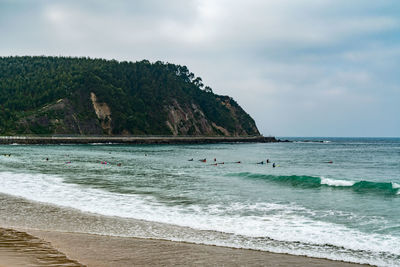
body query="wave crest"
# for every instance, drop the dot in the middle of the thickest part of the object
(385, 188)
(334, 182)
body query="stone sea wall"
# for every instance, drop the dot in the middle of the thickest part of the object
(132, 139)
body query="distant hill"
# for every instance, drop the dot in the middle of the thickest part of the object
(82, 96)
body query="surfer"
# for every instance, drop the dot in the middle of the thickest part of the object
(238, 162)
(261, 162)
(273, 165)
(215, 159)
(119, 164)
(203, 160)
(267, 161)
(190, 159)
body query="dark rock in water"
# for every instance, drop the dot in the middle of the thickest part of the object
(285, 141)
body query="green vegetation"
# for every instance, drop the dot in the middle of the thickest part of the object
(137, 94)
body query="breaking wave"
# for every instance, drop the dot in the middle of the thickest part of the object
(385, 188)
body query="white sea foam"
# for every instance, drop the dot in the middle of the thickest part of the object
(334, 182)
(312, 142)
(281, 222)
(396, 186)
(102, 144)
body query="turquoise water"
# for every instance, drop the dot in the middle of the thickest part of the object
(345, 210)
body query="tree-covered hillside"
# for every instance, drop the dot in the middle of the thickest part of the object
(60, 95)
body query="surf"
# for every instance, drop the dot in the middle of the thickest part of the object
(381, 188)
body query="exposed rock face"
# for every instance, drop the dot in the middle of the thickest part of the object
(237, 112)
(189, 119)
(60, 118)
(103, 113)
(221, 129)
(63, 117)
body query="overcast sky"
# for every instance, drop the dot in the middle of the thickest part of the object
(298, 67)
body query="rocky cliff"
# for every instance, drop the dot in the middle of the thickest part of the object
(80, 96)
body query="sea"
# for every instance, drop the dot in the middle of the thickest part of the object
(333, 198)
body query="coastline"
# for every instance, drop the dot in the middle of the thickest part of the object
(134, 139)
(77, 237)
(80, 249)
(25, 206)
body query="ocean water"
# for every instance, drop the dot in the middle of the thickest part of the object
(337, 199)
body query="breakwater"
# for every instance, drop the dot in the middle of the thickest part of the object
(133, 139)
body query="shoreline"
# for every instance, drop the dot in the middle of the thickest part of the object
(78, 236)
(81, 249)
(134, 139)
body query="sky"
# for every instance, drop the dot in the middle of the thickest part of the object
(298, 67)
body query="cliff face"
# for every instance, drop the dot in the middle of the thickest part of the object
(46, 95)
(103, 113)
(189, 119)
(182, 119)
(59, 118)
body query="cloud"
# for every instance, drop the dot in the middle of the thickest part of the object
(293, 65)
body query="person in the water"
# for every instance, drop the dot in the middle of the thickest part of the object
(273, 165)
(261, 162)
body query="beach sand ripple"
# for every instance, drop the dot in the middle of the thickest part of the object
(21, 249)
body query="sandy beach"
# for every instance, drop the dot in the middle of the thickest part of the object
(50, 248)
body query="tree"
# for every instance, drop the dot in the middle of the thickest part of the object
(208, 89)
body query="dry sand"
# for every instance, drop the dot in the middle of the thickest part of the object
(42, 248)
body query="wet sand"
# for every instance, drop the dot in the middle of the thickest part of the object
(21, 249)
(47, 248)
